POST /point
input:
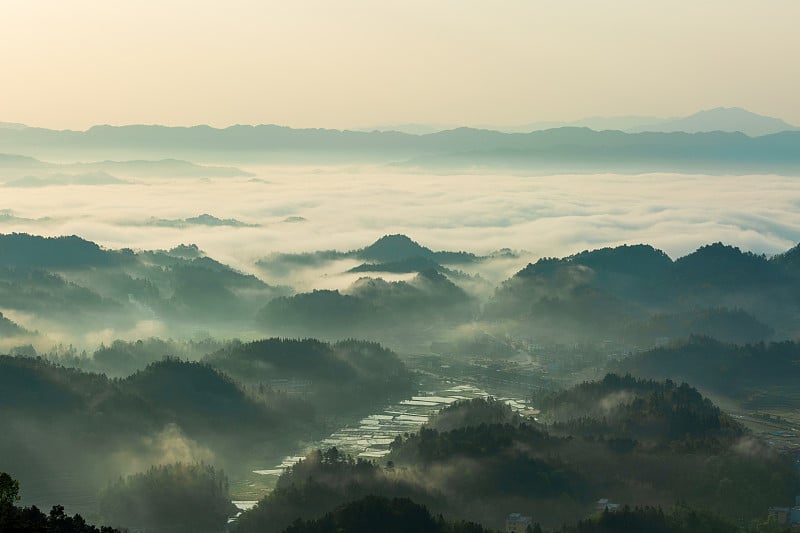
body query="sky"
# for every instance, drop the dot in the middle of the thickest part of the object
(356, 63)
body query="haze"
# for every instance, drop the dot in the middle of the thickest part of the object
(345, 207)
(447, 267)
(360, 64)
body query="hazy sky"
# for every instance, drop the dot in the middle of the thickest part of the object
(351, 63)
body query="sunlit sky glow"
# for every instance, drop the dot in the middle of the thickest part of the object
(356, 63)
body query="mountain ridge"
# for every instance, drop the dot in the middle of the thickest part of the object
(750, 123)
(571, 149)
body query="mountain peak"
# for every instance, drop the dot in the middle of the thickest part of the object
(728, 119)
(394, 247)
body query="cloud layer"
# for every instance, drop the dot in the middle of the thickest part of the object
(349, 207)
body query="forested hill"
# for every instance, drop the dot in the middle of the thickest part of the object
(647, 411)
(635, 295)
(639, 293)
(333, 376)
(23, 250)
(371, 307)
(180, 410)
(637, 442)
(192, 395)
(374, 513)
(390, 253)
(398, 247)
(759, 374)
(9, 329)
(75, 285)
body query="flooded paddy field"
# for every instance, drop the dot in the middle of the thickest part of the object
(372, 436)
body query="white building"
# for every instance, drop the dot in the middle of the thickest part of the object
(603, 504)
(516, 523)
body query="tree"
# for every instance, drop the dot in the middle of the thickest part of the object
(9, 489)
(175, 497)
(32, 520)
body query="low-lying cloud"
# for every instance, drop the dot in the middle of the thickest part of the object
(346, 208)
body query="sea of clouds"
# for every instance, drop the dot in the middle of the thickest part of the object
(301, 209)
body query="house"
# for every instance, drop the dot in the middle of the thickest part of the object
(603, 504)
(516, 523)
(662, 341)
(785, 516)
(779, 515)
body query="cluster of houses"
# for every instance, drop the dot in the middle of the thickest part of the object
(517, 523)
(786, 516)
(604, 505)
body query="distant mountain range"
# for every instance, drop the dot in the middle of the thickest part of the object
(99, 172)
(201, 220)
(564, 149)
(720, 119)
(730, 119)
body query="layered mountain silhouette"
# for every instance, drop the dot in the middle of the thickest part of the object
(101, 172)
(88, 178)
(725, 140)
(634, 293)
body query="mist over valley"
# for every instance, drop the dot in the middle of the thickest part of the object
(418, 267)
